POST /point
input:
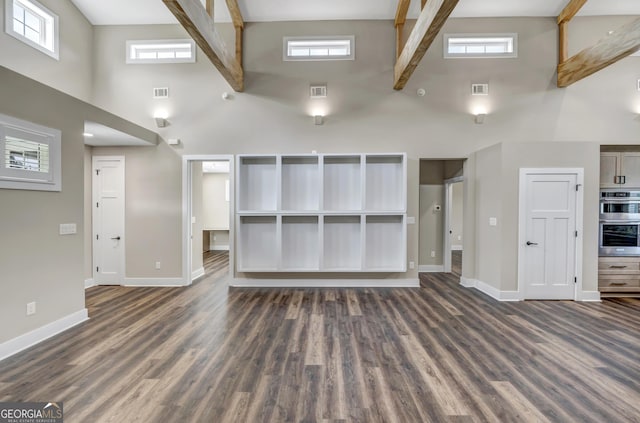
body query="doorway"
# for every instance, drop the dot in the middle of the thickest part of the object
(550, 234)
(108, 212)
(439, 180)
(453, 229)
(208, 204)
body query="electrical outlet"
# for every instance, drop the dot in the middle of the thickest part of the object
(459, 237)
(157, 265)
(412, 265)
(433, 254)
(31, 308)
(493, 221)
(214, 237)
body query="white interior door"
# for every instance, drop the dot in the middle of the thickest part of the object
(549, 244)
(108, 220)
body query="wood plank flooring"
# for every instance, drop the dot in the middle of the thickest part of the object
(438, 353)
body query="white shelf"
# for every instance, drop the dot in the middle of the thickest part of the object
(300, 183)
(342, 243)
(300, 243)
(257, 182)
(342, 183)
(321, 213)
(385, 243)
(257, 243)
(385, 182)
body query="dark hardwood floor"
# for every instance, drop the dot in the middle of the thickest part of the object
(438, 353)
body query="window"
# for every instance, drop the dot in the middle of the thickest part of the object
(161, 51)
(30, 156)
(480, 45)
(33, 24)
(319, 48)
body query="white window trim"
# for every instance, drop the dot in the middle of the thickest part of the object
(28, 180)
(133, 61)
(287, 58)
(447, 55)
(8, 27)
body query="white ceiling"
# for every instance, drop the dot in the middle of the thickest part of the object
(130, 12)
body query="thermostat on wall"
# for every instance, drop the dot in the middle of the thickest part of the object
(173, 141)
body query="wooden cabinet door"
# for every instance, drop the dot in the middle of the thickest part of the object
(630, 169)
(609, 163)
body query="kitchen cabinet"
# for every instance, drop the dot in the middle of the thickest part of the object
(619, 276)
(620, 170)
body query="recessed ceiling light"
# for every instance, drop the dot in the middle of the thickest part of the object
(87, 134)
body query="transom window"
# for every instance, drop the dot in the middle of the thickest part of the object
(480, 45)
(33, 24)
(31, 156)
(319, 48)
(161, 51)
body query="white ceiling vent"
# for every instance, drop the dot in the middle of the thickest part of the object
(318, 91)
(162, 92)
(479, 89)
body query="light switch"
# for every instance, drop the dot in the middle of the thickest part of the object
(493, 221)
(411, 220)
(68, 229)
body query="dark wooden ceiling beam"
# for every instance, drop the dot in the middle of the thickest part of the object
(193, 16)
(429, 23)
(617, 45)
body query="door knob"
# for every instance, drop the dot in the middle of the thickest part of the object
(531, 243)
(116, 238)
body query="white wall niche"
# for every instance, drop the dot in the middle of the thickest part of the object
(342, 246)
(258, 240)
(385, 243)
(300, 243)
(342, 183)
(300, 183)
(385, 182)
(257, 183)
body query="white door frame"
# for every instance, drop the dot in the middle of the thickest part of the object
(448, 204)
(187, 185)
(94, 223)
(579, 172)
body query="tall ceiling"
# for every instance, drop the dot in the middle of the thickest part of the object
(133, 12)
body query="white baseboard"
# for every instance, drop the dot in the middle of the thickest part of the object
(589, 296)
(324, 283)
(159, 282)
(29, 339)
(489, 290)
(88, 283)
(198, 273)
(456, 248)
(431, 268)
(219, 247)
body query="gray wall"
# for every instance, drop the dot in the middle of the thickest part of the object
(73, 73)
(37, 264)
(153, 210)
(364, 113)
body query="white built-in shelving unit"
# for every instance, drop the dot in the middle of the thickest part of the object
(321, 213)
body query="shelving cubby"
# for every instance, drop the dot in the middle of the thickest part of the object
(342, 187)
(257, 183)
(258, 238)
(300, 243)
(342, 244)
(300, 183)
(385, 181)
(385, 243)
(321, 213)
